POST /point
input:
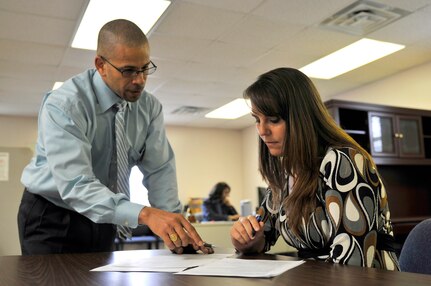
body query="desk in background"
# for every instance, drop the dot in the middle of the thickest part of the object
(218, 233)
(74, 269)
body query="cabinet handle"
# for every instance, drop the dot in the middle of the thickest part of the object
(397, 135)
(401, 136)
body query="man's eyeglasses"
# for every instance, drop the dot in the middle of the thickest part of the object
(131, 73)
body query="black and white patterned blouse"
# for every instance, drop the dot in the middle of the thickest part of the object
(351, 221)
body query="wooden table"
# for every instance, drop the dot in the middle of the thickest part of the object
(74, 269)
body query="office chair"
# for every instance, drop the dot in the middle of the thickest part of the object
(140, 235)
(415, 255)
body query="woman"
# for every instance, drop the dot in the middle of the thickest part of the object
(325, 197)
(217, 206)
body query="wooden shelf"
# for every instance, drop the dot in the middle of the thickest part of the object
(408, 220)
(400, 161)
(353, 117)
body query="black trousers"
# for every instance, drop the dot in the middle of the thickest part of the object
(45, 228)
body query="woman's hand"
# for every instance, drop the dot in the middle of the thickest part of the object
(247, 235)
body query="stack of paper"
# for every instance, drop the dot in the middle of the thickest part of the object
(243, 268)
(206, 265)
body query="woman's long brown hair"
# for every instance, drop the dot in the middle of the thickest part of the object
(290, 95)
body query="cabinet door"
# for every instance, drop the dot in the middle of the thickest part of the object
(395, 135)
(382, 134)
(410, 136)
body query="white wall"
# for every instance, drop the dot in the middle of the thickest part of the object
(252, 178)
(11, 192)
(205, 157)
(395, 90)
(18, 131)
(18, 135)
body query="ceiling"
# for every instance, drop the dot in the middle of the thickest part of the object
(207, 51)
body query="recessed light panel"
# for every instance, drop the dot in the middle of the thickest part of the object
(143, 13)
(349, 58)
(234, 109)
(57, 84)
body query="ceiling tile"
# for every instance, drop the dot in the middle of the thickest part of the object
(36, 29)
(264, 34)
(78, 58)
(304, 12)
(244, 6)
(59, 9)
(411, 5)
(228, 55)
(30, 53)
(173, 47)
(401, 31)
(197, 21)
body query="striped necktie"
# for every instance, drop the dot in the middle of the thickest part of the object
(123, 171)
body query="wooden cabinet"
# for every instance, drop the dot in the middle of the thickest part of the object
(426, 127)
(393, 135)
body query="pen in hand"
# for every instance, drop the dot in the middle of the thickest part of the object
(209, 245)
(260, 217)
(189, 249)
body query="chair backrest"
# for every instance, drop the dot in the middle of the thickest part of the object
(142, 230)
(415, 255)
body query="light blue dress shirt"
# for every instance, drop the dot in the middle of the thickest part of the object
(76, 139)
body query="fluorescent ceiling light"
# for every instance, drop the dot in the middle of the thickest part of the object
(57, 84)
(143, 13)
(350, 57)
(234, 109)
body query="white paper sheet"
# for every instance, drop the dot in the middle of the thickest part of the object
(161, 263)
(243, 268)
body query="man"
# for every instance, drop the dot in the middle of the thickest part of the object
(71, 201)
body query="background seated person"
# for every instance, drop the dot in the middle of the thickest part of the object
(217, 206)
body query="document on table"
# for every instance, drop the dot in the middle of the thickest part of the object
(243, 268)
(161, 263)
(204, 265)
